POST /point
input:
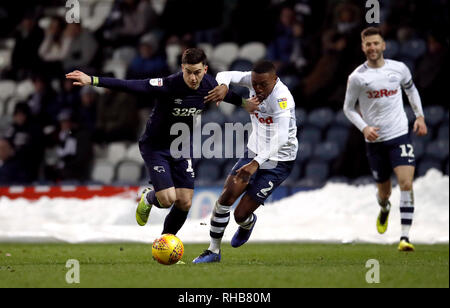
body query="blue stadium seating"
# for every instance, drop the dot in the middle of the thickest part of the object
(295, 175)
(310, 134)
(443, 133)
(341, 120)
(339, 135)
(413, 49)
(317, 171)
(419, 148)
(300, 116)
(291, 81)
(392, 49)
(241, 65)
(305, 150)
(326, 151)
(434, 115)
(427, 164)
(321, 117)
(437, 150)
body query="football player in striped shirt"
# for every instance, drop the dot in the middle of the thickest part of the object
(377, 84)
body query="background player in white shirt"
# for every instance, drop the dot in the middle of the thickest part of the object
(270, 156)
(377, 85)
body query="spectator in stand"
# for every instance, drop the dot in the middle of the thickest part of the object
(287, 50)
(25, 58)
(73, 147)
(149, 62)
(11, 172)
(55, 47)
(43, 104)
(431, 71)
(117, 117)
(69, 96)
(127, 22)
(25, 136)
(82, 49)
(87, 113)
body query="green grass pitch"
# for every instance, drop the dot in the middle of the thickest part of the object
(260, 265)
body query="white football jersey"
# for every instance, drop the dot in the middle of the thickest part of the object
(379, 92)
(265, 131)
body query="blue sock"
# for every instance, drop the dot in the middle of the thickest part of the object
(151, 199)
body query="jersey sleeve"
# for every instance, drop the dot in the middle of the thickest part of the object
(411, 91)
(351, 97)
(142, 86)
(282, 106)
(242, 79)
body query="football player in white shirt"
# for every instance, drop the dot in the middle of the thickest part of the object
(270, 156)
(377, 85)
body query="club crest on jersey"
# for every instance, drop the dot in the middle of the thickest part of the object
(282, 102)
(262, 120)
(178, 101)
(159, 169)
(156, 82)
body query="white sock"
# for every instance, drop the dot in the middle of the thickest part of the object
(406, 211)
(248, 223)
(219, 221)
(384, 204)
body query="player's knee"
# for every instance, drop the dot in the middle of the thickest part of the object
(183, 204)
(167, 200)
(405, 184)
(226, 199)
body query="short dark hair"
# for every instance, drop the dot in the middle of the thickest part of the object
(371, 31)
(264, 66)
(193, 56)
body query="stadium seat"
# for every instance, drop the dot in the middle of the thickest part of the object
(24, 89)
(207, 48)
(103, 172)
(339, 135)
(443, 133)
(223, 55)
(7, 89)
(434, 115)
(305, 150)
(321, 117)
(133, 153)
(252, 51)
(124, 54)
(296, 174)
(427, 138)
(5, 59)
(117, 67)
(317, 172)
(242, 65)
(419, 148)
(413, 49)
(437, 150)
(291, 81)
(310, 134)
(128, 172)
(326, 151)
(392, 49)
(115, 152)
(173, 51)
(341, 120)
(426, 165)
(410, 114)
(300, 116)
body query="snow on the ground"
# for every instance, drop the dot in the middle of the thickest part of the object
(335, 213)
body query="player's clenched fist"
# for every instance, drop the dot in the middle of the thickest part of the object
(370, 133)
(80, 78)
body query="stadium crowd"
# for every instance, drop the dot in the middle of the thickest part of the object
(52, 131)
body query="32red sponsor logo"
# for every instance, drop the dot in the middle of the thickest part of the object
(268, 120)
(381, 93)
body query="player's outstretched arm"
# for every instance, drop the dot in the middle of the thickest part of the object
(82, 79)
(79, 78)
